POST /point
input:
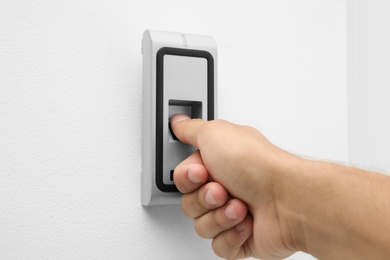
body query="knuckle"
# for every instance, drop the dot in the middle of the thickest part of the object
(218, 221)
(185, 206)
(200, 198)
(178, 178)
(218, 250)
(215, 124)
(200, 230)
(249, 129)
(187, 132)
(223, 247)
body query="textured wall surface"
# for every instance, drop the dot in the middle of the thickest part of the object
(70, 113)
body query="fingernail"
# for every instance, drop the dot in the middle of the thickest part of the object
(193, 178)
(210, 198)
(179, 117)
(240, 227)
(230, 212)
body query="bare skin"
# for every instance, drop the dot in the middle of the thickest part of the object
(257, 200)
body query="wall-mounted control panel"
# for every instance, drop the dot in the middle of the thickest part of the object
(179, 76)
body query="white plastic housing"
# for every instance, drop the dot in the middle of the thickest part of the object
(179, 76)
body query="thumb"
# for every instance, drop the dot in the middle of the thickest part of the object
(186, 129)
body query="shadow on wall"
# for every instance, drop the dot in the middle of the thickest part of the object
(170, 233)
(167, 222)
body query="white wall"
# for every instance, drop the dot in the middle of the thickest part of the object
(70, 113)
(369, 58)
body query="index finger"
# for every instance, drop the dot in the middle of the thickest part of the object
(186, 129)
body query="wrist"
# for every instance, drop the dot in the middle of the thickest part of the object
(292, 192)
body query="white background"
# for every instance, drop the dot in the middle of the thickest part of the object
(70, 113)
(369, 79)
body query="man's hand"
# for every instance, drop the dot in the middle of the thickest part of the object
(228, 187)
(257, 200)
